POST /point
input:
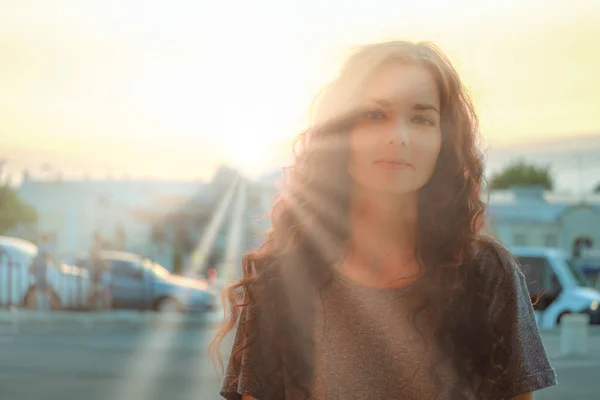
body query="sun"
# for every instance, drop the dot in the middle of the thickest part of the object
(250, 154)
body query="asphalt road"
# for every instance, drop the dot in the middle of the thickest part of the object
(126, 365)
(175, 366)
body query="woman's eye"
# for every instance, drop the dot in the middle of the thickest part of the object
(423, 121)
(374, 114)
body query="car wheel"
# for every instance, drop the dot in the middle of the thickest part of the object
(169, 305)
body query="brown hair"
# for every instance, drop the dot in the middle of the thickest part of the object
(312, 210)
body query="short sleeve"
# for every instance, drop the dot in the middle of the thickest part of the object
(254, 371)
(527, 367)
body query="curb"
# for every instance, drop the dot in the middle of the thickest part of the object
(13, 322)
(594, 330)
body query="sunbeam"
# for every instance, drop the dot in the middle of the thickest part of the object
(231, 267)
(198, 256)
(147, 362)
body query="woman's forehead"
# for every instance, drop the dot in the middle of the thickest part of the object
(401, 83)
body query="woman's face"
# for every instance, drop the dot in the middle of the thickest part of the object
(395, 144)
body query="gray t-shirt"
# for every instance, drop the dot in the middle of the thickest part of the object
(367, 347)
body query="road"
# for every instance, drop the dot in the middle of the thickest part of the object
(125, 365)
(175, 366)
(577, 377)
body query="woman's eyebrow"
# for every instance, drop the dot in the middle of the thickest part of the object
(418, 106)
(382, 102)
(426, 107)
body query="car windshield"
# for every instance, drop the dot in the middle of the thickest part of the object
(578, 277)
(158, 269)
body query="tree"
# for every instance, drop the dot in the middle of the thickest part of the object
(13, 211)
(223, 178)
(597, 188)
(522, 174)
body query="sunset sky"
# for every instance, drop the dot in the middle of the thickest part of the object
(171, 89)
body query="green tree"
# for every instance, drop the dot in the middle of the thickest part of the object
(597, 188)
(522, 174)
(13, 211)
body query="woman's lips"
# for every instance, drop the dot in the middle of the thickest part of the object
(390, 164)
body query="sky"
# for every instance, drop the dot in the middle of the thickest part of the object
(170, 90)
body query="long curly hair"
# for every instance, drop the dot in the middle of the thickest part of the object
(310, 218)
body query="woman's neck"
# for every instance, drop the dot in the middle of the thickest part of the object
(383, 233)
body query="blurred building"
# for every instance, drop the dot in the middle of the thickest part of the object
(262, 195)
(161, 220)
(530, 216)
(123, 212)
(147, 217)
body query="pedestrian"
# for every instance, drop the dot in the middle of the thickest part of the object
(39, 269)
(375, 281)
(106, 287)
(100, 275)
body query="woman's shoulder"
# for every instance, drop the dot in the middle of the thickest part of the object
(279, 284)
(270, 277)
(283, 269)
(495, 261)
(503, 280)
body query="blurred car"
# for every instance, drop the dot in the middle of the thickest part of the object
(556, 286)
(69, 285)
(141, 284)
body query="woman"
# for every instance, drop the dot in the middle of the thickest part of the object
(375, 282)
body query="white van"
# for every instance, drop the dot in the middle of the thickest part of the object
(556, 286)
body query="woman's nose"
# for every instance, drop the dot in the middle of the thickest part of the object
(400, 134)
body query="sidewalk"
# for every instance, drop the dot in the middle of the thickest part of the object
(39, 321)
(591, 359)
(577, 376)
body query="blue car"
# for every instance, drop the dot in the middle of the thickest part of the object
(141, 284)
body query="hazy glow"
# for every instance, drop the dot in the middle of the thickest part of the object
(148, 88)
(145, 363)
(199, 256)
